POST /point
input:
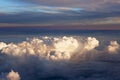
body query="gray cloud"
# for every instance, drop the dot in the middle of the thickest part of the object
(65, 12)
(84, 17)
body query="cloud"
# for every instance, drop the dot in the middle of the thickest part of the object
(88, 5)
(113, 47)
(66, 44)
(13, 76)
(64, 48)
(91, 43)
(30, 59)
(2, 45)
(55, 20)
(95, 13)
(65, 12)
(60, 48)
(10, 76)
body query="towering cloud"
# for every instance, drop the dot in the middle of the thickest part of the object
(66, 44)
(60, 48)
(91, 43)
(65, 47)
(56, 48)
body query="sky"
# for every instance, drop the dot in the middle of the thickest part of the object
(61, 14)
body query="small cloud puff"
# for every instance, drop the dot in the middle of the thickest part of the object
(10, 76)
(13, 75)
(113, 47)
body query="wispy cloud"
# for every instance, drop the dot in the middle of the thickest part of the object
(19, 7)
(60, 12)
(86, 4)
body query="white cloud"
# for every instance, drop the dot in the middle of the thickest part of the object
(61, 48)
(13, 75)
(2, 45)
(113, 47)
(10, 76)
(91, 43)
(56, 59)
(66, 44)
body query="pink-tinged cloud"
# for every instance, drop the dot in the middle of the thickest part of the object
(86, 4)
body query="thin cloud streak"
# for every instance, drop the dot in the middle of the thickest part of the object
(60, 13)
(72, 26)
(88, 5)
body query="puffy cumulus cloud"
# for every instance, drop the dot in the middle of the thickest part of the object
(10, 76)
(34, 67)
(32, 47)
(113, 47)
(2, 45)
(64, 48)
(13, 75)
(54, 55)
(57, 48)
(87, 50)
(65, 44)
(91, 43)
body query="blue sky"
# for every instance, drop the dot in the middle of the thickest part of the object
(76, 14)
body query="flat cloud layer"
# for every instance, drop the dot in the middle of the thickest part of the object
(56, 13)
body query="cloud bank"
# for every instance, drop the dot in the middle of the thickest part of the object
(60, 48)
(66, 58)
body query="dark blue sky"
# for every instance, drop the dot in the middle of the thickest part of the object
(73, 14)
